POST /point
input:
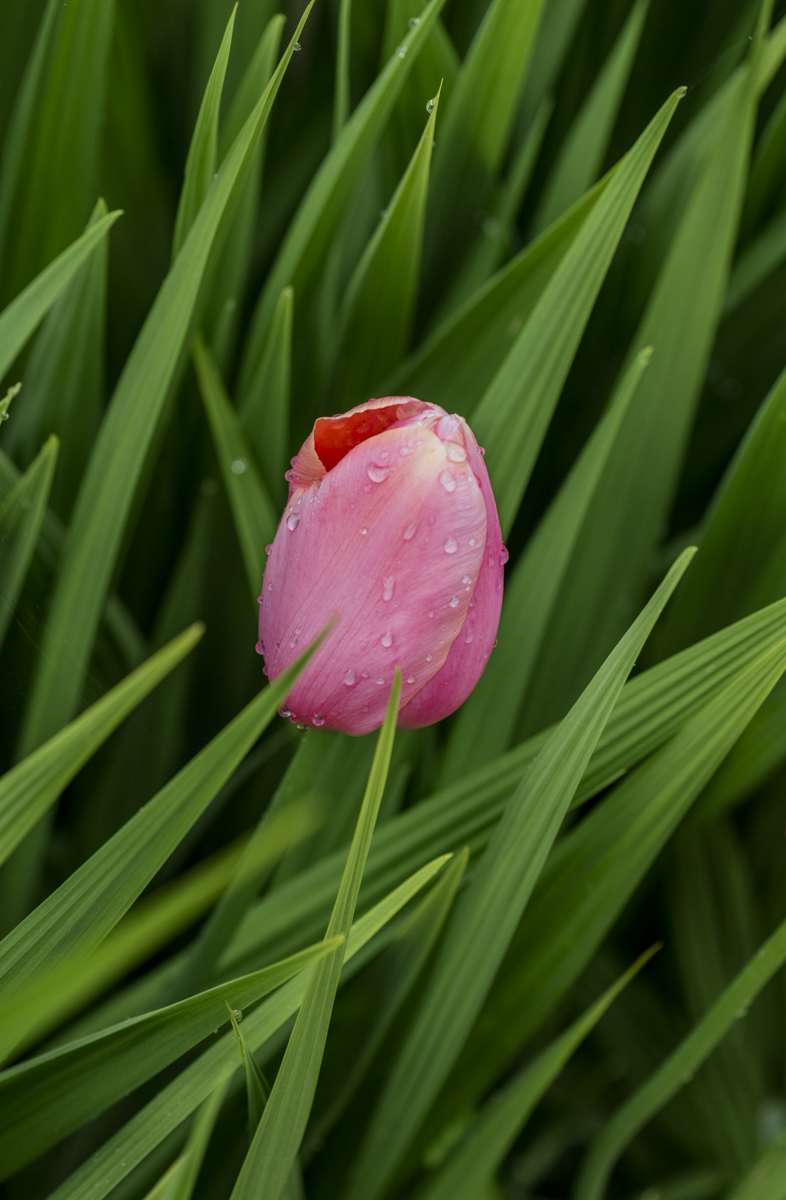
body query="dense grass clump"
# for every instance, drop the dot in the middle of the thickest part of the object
(534, 951)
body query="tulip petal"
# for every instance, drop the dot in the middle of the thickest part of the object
(392, 539)
(470, 651)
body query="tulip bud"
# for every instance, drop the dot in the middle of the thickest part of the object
(391, 524)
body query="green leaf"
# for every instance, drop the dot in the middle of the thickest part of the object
(583, 150)
(277, 1140)
(594, 871)
(746, 526)
(341, 93)
(117, 1157)
(477, 128)
(308, 236)
(379, 306)
(19, 320)
(202, 153)
(463, 354)
(758, 261)
(653, 707)
(79, 914)
(50, 164)
(387, 983)
(499, 1122)
(46, 1098)
(680, 321)
(21, 514)
(252, 508)
(486, 722)
(63, 376)
(680, 1066)
(264, 413)
(257, 1087)
(516, 408)
(490, 909)
(767, 1178)
(29, 788)
(180, 1180)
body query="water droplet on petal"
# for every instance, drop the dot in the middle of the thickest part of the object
(387, 588)
(503, 556)
(451, 545)
(410, 678)
(455, 452)
(268, 547)
(378, 474)
(349, 678)
(496, 643)
(468, 637)
(410, 531)
(293, 520)
(387, 639)
(293, 641)
(260, 649)
(318, 720)
(381, 679)
(454, 602)
(238, 466)
(284, 711)
(482, 452)
(404, 451)
(431, 614)
(383, 456)
(264, 671)
(472, 541)
(364, 674)
(429, 657)
(364, 531)
(466, 579)
(447, 481)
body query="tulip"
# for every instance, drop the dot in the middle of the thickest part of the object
(391, 524)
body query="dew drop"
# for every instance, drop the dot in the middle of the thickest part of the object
(466, 579)
(482, 452)
(468, 637)
(472, 541)
(405, 451)
(503, 556)
(413, 22)
(260, 649)
(451, 545)
(410, 531)
(349, 678)
(364, 674)
(410, 678)
(387, 588)
(381, 679)
(383, 456)
(454, 602)
(297, 46)
(378, 474)
(268, 547)
(364, 531)
(429, 657)
(293, 520)
(455, 452)
(318, 720)
(431, 614)
(293, 641)
(447, 481)
(264, 669)
(387, 639)
(288, 476)
(284, 711)
(237, 1014)
(402, 51)
(496, 643)
(238, 466)
(430, 107)
(270, 587)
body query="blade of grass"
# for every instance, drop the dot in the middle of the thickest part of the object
(767, 1178)
(79, 914)
(583, 150)
(118, 1156)
(48, 1097)
(277, 1140)
(680, 1066)
(181, 1178)
(29, 788)
(21, 514)
(592, 875)
(202, 152)
(21, 317)
(308, 236)
(264, 413)
(485, 724)
(490, 909)
(379, 306)
(499, 1122)
(341, 93)
(516, 408)
(257, 1087)
(252, 508)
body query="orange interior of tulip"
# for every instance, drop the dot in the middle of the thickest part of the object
(336, 436)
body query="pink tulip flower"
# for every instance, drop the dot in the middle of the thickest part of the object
(391, 524)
